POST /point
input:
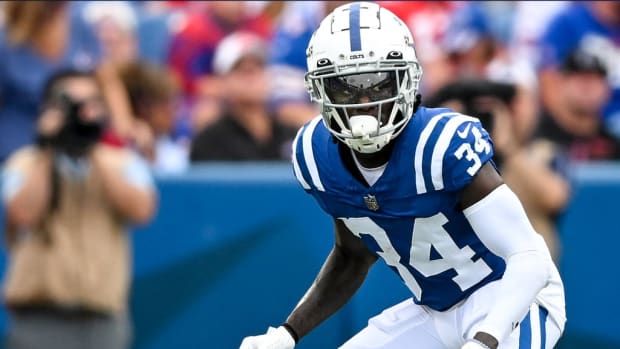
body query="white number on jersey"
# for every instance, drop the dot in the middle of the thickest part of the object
(428, 233)
(480, 145)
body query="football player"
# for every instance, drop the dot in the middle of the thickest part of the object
(417, 187)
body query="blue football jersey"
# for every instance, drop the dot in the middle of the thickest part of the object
(411, 216)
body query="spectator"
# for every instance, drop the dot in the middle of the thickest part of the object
(428, 22)
(287, 65)
(115, 25)
(477, 49)
(588, 26)
(153, 94)
(39, 38)
(246, 130)
(571, 128)
(529, 23)
(68, 202)
(158, 21)
(192, 49)
(543, 192)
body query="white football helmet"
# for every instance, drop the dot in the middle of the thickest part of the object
(364, 74)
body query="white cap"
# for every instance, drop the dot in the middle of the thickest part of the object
(120, 12)
(236, 46)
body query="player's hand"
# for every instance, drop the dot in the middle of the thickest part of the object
(275, 338)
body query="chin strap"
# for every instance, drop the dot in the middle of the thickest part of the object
(417, 103)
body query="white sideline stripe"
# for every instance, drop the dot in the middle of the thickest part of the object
(443, 142)
(309, 154)
(535, 326)
(419, 152)
(296, 168)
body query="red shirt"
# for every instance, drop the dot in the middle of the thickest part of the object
(192, 49)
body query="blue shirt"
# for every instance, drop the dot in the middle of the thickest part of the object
(288, 51)
(23, 73)
(411, 216)
(578, 28)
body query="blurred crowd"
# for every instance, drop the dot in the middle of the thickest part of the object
(194, 81)
(190, 81)
(93, 83)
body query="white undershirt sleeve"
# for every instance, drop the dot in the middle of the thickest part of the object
(501, 224)
(11, 182)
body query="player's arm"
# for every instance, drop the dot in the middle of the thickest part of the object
(27, 189)
(499, 220)
(127, 184)
(340, 277)
(342, 274)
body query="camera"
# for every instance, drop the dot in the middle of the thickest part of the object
(77, 135)
(477, 98)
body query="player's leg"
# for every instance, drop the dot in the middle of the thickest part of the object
(397, 327)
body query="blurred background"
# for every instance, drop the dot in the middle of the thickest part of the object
(211, 94)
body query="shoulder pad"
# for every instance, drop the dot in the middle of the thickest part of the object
(451, 149)
(304, 161)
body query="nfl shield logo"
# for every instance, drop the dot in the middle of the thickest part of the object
(371, 202)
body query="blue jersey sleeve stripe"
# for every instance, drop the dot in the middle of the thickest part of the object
(296, 167)
(538, 330)
(419, 152)
(355, 39)
(525, 333)
(309, 153)
(543, 326)
(442, 146)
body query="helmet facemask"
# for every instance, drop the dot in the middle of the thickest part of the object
(368, 104)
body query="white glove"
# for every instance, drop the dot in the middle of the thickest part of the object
(275, 338)
(474, 345)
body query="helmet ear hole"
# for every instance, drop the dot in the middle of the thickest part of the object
(395, 55)
(323, 62)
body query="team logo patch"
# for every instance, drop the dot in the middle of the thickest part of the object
(371, 202)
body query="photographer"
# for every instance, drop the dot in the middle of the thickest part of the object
(68, 202)
(543, 192)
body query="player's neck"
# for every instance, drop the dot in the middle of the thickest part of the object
(374, 160)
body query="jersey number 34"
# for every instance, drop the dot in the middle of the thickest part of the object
(428, 233)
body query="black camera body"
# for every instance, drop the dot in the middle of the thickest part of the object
(471, 94)
(76, 136)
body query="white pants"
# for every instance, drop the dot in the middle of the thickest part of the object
(408, 325)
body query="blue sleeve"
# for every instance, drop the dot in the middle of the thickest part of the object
(83, 39)
(291, 39)
(288, 58)
(470, 147)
